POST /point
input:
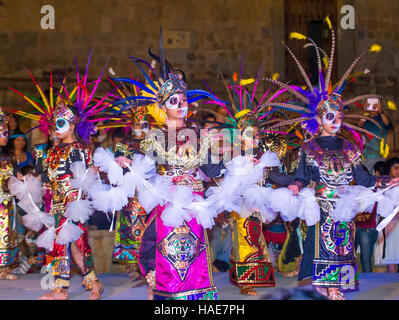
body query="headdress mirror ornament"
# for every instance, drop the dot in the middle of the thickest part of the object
(63, 110)
(332, 103)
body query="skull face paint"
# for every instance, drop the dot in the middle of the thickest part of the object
(61, 125)
(144, 128)
(173, 102)
(332, 119)
(176, 106)
(4, 133)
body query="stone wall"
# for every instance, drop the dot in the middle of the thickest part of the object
(376, 22)
(201, 37)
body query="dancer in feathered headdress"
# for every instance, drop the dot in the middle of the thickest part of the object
(246, 116)
(8, 232)
(134, 122)
(177, 274)
(66, 169)
(332, 163)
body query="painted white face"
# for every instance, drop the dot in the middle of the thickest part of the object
(144, 128)
(332, 119)
(173, 102)
(176, 106)
(61, 125)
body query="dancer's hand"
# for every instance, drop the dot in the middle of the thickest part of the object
(123, 160)
(294, 189)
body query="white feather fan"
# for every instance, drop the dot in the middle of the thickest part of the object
(308, 208)
(79, 210)
(69, 232)
(46, 239)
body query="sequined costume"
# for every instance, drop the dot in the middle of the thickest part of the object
(329, 254)
(250, 258)
(58, 174)
(8, 234)
(281, 236)
(181, 255)
(131, 219)
(40, 155)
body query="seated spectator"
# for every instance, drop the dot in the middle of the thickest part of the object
(18, 147)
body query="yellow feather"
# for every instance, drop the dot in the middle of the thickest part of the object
(391, 105)
(245, 82)
(325, 61)
(297, 35)
(384, 149)
(157, 113)
(375, 48)
(327, 19)
(241, 113)
(275, 76)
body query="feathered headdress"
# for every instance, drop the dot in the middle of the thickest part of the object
(43, 107)
(78, 106)
(154, 93)
(311, 101)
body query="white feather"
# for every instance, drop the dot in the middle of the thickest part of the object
(111, 199)
(147, 200)
(143, 166)
(203, 212)
(366, 200)
(385, 207)
(267, 214)
(83, 178)
(103, 159)
(47, 220)
(239, 166)
(115, 174)
(308, 208)
(32, 221)
(130, 183)
(154, 192)
(257, 197)
(283, 201)
(269, 159)
(21, 189)
(46, 239)
(224, 199)
(393, 194)
(79, 210)
(96, 188)
(345, 208)
(69, 232)
(175, 211)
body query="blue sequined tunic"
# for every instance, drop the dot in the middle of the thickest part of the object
(329, 254)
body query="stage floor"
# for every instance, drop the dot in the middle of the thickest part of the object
(373, 286)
